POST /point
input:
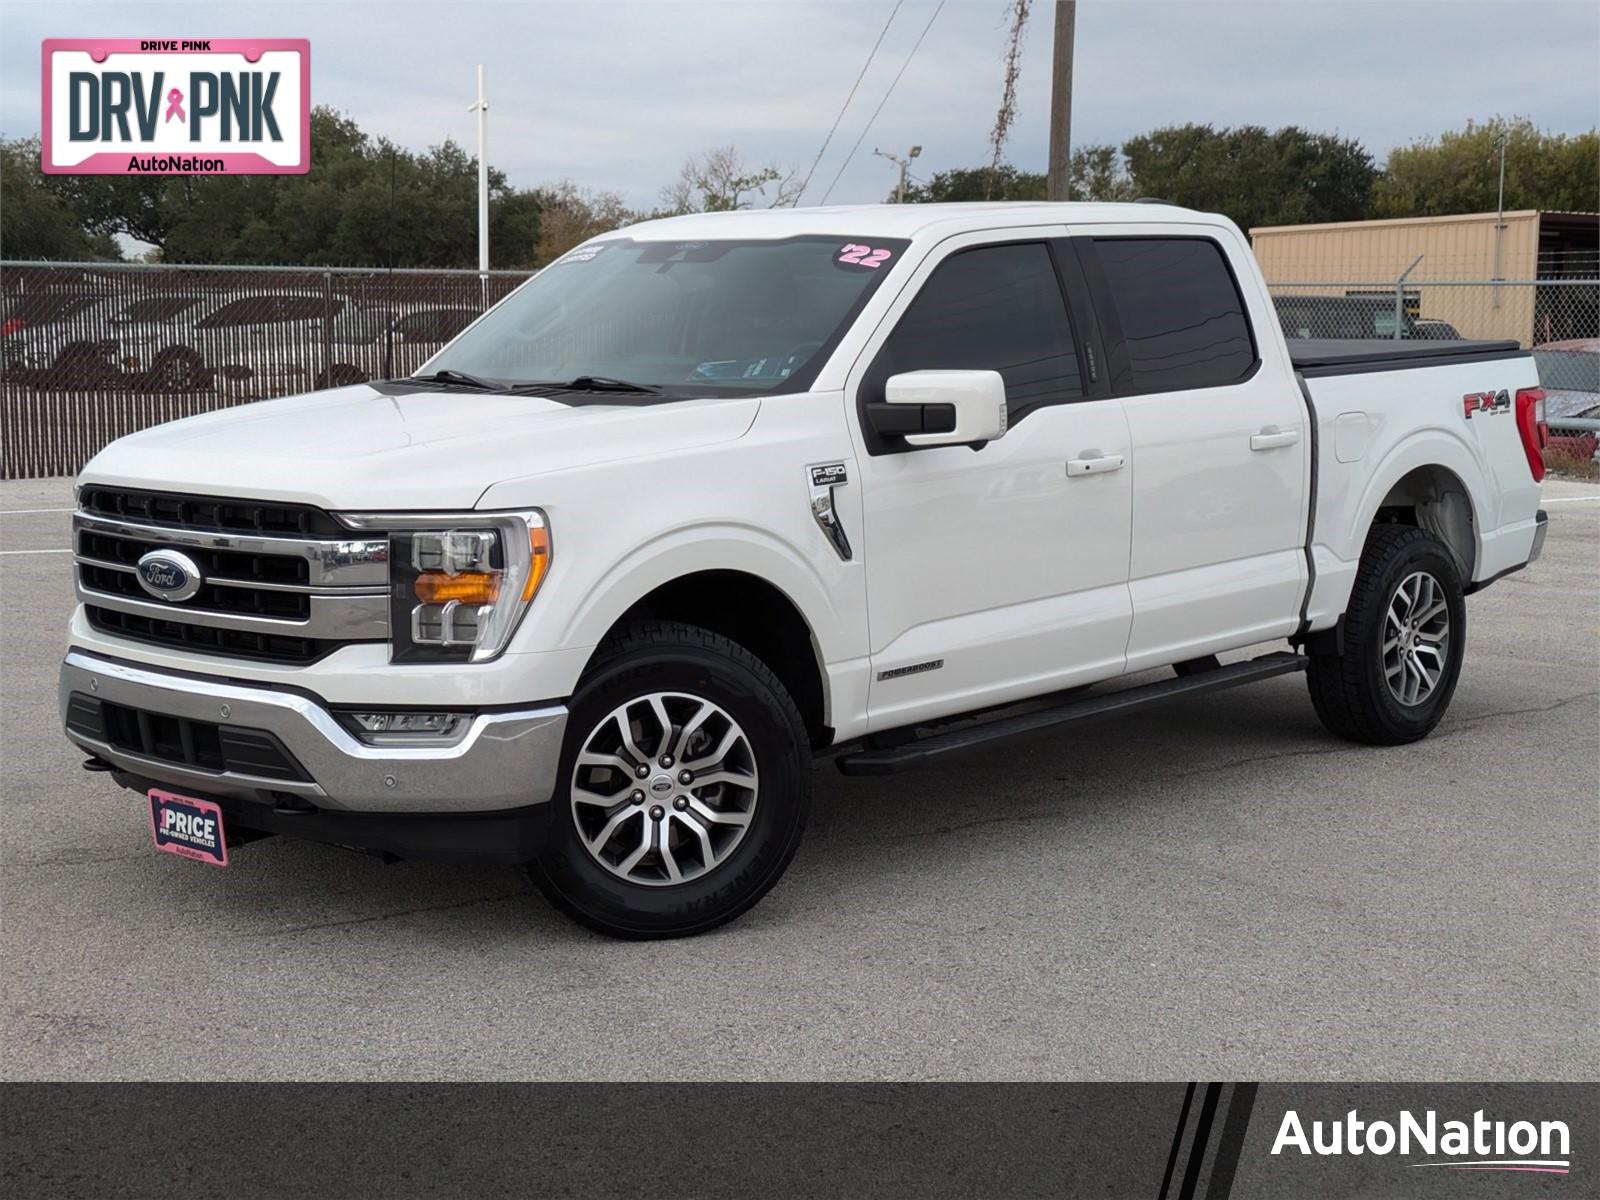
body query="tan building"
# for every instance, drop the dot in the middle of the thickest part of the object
(1458, 256)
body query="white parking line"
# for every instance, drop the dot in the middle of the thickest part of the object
(18, 512)
(66, 551)
(1574, 500)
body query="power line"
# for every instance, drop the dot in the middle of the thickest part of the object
(885, 100)
(871, 54)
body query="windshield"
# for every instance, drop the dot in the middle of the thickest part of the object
(689, 318)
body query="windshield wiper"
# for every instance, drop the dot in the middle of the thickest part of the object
(459, 378)
(602, 383)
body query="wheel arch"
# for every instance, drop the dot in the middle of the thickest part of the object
(753, 612)
(1431, 482)
(770, 603)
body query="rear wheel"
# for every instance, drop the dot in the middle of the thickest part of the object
(685, 786)
(1404, 635)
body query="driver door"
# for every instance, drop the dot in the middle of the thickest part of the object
(998, 572)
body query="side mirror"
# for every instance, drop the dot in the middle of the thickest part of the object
(941, 408)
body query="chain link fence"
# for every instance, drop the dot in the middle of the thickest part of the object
(90, 352)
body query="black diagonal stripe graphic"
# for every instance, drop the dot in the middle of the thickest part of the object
(1197, 1144)
(1177, 1141)
(1240, 1105)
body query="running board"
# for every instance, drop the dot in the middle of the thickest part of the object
(887, 760)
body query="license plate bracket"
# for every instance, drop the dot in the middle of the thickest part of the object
(188, 826)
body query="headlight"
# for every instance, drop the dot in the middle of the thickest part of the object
(458, 586)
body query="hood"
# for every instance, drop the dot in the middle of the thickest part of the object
(356, 448)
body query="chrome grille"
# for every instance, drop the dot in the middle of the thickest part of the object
(292, 598)
(223, 515)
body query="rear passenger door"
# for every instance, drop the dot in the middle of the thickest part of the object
(999, 572)
(1220, 446)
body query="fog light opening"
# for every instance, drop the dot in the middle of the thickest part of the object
(377, 728)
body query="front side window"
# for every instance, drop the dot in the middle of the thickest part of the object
(993, 308)
(1182, 319)
(690, 318)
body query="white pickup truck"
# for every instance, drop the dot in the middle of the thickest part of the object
(715, 497)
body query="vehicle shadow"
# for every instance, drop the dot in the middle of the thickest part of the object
(1083, 784)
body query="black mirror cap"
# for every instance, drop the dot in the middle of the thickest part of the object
(898, 420)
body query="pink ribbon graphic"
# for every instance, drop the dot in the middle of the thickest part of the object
(175, 105)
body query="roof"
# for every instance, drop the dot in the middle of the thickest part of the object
(905, 220)
(1446, 219)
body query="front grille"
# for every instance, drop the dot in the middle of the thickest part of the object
(285, 606)
(215, 513)
(209, 639)
(277, 583)
(213, 564)
(181, 741)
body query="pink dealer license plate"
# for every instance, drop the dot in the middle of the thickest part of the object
(208, 106)
(188, 826)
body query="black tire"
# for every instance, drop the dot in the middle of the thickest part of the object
(656, 657)
(1350, 691)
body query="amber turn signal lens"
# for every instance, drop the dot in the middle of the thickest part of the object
(538, 559)
(469, 587)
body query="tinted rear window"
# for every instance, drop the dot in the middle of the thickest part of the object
(1182, 319)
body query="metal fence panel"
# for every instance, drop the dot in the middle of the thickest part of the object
(1558, 319)
(90, 352)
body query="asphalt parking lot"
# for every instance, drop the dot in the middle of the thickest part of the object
(1218, 890)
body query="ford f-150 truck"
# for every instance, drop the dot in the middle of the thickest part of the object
(716, 497)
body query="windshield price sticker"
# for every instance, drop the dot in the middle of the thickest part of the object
(581, 255)
(213, 106)
(854, 255)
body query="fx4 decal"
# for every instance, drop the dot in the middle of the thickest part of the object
(1486, 402)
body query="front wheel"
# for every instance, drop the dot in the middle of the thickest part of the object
(684, 786)
(1404, 635)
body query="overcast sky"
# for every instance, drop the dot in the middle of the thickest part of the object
(616, 95)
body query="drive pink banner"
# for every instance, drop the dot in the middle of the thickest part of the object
(210, 106)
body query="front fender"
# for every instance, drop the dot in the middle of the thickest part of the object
(711, 546)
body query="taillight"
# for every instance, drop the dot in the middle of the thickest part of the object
(11, 326)
(1531, 425)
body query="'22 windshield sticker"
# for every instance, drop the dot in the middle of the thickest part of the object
(863, 256)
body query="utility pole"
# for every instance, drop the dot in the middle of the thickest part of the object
(482, 109)
(904, 164)
(1059, 184)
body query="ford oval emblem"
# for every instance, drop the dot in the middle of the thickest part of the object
(169, 575)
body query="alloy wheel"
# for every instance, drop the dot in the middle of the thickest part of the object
(1416, 639)
(664, 788)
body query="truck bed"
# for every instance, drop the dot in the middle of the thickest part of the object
(1354, 356)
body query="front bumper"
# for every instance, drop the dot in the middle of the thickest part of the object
(507, 759)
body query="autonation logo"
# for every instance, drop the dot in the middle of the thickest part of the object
(1478, 1145)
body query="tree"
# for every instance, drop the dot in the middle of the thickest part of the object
(1004, 182)
(719, 181)
(1099, 172)
(1256, 176)
(365, 202)
(36, 219)
(569, 215)
(1459, 171)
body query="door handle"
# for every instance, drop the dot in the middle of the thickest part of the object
(1272, 437)
(1101, 465)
